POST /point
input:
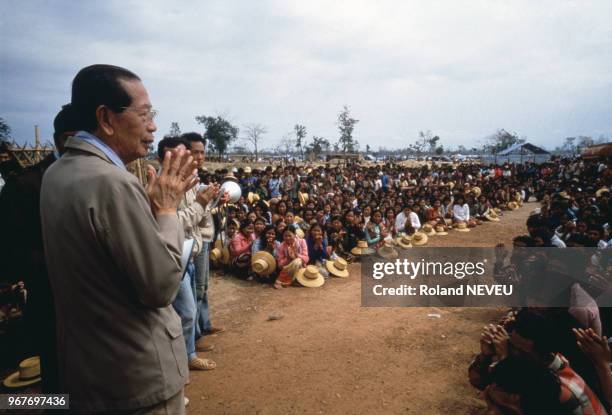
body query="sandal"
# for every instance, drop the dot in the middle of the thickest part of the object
(197, 363)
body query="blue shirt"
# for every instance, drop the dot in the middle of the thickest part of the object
(100, 145)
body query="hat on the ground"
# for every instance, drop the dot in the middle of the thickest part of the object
(387, 251)
(419, 238)
(263, 263)
(362, 249)
(338, 268)
(428, 230)
(440, 230)
(512, 205)
(404, 241)
(476, 190)
(491, 215)
(310, 277)
(220, 255)
(462, 227)
(28, 374)
(602, 191)
(252, 197)
(303, 198)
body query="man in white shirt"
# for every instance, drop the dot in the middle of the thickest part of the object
(407, 214)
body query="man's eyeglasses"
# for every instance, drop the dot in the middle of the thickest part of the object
(147, 115)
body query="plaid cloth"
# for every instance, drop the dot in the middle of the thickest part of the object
(576, 396)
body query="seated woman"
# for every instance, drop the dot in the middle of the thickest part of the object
(259, 224)
(240, 249)
(435, 214)
(389, 221)
(292, 256)
(481, 208)
(461, 212)
(280, 227)
(375, 231)
(281, 209)
(267, 242)
(318, 251)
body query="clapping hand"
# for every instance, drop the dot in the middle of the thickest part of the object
(178, 174)
(593, 345)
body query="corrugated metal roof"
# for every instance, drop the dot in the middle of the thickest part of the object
(523, 146)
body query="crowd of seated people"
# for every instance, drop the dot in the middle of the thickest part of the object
(319, 214)
(551, 355)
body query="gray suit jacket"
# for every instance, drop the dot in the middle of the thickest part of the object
(115, 270)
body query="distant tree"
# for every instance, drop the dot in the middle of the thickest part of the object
(175, 130)
(501, 140)
(285, 145)
(5, 130)
(346, 125)
(219, 132)
(300, 136)
(428, 141)
(253, 134)
(584, 142)
(367, 149)
(318, 145)
(439, 150)
(569, 145)
(336, 147)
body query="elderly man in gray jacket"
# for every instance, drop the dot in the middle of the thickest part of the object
(113, 250)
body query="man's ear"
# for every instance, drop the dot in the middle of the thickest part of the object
(104, 117)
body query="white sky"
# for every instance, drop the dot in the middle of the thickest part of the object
(462, 69)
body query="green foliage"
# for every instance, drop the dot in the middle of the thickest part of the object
(175, 130)
(300, 135)
(318, 145)
(501, 140)
(346, 125)
(219, 132)
(5, 130)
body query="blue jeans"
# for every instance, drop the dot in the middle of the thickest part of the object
(202, 266)
(184, 305)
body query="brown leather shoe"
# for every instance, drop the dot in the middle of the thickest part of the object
(203, 346)
(214, 330)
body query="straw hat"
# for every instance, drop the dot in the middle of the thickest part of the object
(230, 176)
(299, 233)
(310, 277)
(462, 227)
(419, 238)
(404, 241)
(220, 255)
(451, 185)
(387, 251)
(497, 211)
(247, 169)
(491, 215)
(440, 230)
(428, 230)
(263, 263)
(476, 190)
(362, 249)
(252, 197)
(602, 191)
(28, 374)
(338, 268)
(512, 205)
(303, 198)
(298, 219)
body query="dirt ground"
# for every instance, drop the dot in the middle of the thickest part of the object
(329, 355)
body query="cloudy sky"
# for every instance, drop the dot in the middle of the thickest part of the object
(462, 69)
